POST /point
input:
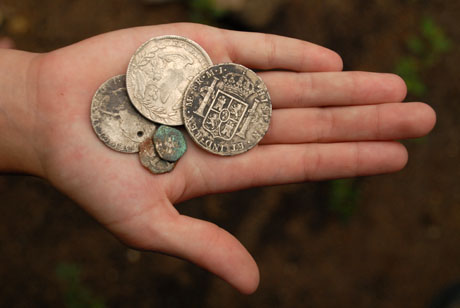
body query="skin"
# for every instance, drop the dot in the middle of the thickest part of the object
(326, 124)
(6, 42)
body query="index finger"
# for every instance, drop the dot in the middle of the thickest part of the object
(251, 49)
(268, 51)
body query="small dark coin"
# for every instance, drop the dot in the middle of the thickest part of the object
(227, 109)
(114, 119)
(169, 143)
(150, 160)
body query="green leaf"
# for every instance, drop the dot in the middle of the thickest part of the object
(343, 197)
(76, 295)
(415, 45)
(409, 69)
(435, 35)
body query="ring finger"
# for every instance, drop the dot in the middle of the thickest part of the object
(389, 121)
(298, 90)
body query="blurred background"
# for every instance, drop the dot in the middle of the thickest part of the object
(381, 241)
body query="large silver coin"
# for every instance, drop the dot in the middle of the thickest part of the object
(150, 159)
(227, 109)
(115, 120)
(159, 73)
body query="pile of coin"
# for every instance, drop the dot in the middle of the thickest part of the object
(171, 81)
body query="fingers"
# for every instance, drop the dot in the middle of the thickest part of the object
(206, 245)
(290, 90)
(255, 50)
(355, 123)
(267, 51)
(279, 164)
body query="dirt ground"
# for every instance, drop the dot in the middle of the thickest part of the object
(396, 245)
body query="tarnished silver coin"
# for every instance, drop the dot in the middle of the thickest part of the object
(169, 143)
(227, 109)
(158, 74)
(150, 160)
(115, 120)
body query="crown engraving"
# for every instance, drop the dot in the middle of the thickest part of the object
(238, 84)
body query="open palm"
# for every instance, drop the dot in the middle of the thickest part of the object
(325, 124)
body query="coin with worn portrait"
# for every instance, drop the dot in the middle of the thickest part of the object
(158, 74)
(115, 120)
(227, 109)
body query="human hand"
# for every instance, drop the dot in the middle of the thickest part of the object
(6, 42)
(325, 124)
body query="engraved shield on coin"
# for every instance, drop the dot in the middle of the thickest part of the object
(115, 120)
(158, 74)
(227, 109)
(224, 115)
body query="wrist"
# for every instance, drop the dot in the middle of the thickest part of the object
(18, 147)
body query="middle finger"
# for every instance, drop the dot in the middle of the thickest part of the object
(389, 121)
(297, 90)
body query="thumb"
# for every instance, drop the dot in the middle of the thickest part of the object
(212, 248)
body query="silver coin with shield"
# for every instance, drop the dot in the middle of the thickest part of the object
(227, 109)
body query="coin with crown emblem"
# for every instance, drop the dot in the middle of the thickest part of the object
(227, 109)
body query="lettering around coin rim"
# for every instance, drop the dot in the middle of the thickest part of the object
(227, 109)
(114, 119)
(158, 74)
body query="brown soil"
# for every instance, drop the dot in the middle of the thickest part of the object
(400, 246)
